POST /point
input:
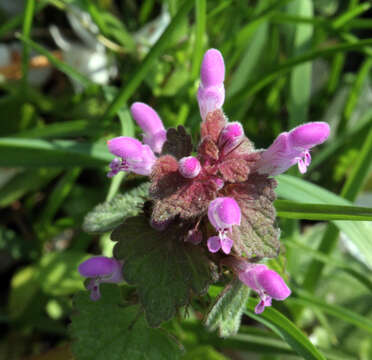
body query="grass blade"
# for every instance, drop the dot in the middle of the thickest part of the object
(293, 210)
(295, 189)
(127, 91)
(58, 153)
(300, 80)
(252, 89)
(288, 331)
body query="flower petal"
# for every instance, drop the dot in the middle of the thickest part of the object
(214, 244)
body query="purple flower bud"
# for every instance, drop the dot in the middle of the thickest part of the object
(160, 226)
(267, 283)
(149, 121)
(223, 213)
(216, 243)
(212, 71)
(218, 182)
(135, 156)
(194, 236)
(100, 269)
(230, 137)
(211, 92)
(291, 148)
(189, 167)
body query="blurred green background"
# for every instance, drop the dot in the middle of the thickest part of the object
(68, 72)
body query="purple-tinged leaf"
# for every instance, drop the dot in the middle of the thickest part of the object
(213, 125)
(178, 143)
(175, 195)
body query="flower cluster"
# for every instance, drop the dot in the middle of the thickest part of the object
(223, 196)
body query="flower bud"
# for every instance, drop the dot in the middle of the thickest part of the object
(212, 71)
(149, 121)
(223, 213)
(292, 148)
(135, 156)
(211, 92)
(267, 283)
(230, 137)
(100, 269)
(194, 236)
(189, 167)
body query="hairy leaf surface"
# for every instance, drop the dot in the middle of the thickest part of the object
(257, 236)
(225, 314)
(166, 270)
(108, 329)
(213, 125)
(175, 195)
(178, 143)
(105, 217)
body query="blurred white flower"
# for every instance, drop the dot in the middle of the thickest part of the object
(89, 57)
(150, 33)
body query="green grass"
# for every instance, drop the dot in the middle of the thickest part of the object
(287, 62)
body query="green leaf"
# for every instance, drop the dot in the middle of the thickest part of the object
(253, 88)
(24, 287)
(107, 329)
(57, 272)
(299, 190)
(24, 182)
(225, 314)
(251, 56)
(294, 210)
(145, 66)
(204, 352)
(26, 29)
(288, 331)
(300, 80)
(166, 270)
(58, 153)
(340, 312)
(105, 217)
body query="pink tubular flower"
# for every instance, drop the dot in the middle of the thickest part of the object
(267, 283)
(223, 213)
(189, 167)
(211, 92)
(100, 269)
(291, 148)
(135, 156)
(149, 121)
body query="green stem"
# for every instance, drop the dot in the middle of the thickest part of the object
(26, 30)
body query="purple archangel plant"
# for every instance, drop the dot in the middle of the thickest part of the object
(209, 207)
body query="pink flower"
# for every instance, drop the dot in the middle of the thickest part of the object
(211, 92)
(135, 156)
(189, 167)
(267, 283)
(149, 121)
(223, 213)
(100, 269)
(230, 137)
(291, 148)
